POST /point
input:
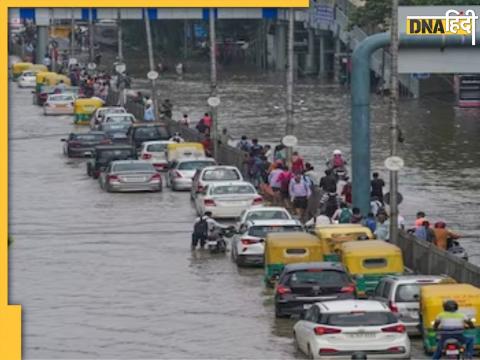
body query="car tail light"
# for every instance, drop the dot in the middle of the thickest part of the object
(393, 307)
(323, 330)
(258, 200)
(177, 174)
(324, 351)
(248, 241)
(200, 188)
(112, 178)
(350, 288)
(74, 143)
(146, 156)
(105, 141)
(396, 350)
(395, 329)
(209, 202)
(156, 177)
(282, 289)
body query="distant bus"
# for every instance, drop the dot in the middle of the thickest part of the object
(467, 90)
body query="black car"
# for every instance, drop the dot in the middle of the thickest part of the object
(303, 284)
(147, 131)
(116, 132)
(104, 154)
(82, 144)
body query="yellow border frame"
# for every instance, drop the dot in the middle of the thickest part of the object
(10, 315)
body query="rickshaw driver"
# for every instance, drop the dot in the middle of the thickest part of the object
(451, 324)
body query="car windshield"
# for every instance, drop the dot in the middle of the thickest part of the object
(233, 190)
(408, 293)
(119, 118)
(88, 137)
(116, 127)
(193, 165)
(327, 278)
(359, 318)
(111, 111)
(111, 154)
(159, 147)
(134, 166)
(60, 98)
(262, 231)
(267, 215)
(29, 74)
(151, 132)
(221, 175)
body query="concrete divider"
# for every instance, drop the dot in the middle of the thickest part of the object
(420, 256)
(425, 258)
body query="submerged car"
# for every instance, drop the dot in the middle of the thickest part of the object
(116, 132)
(213, 174)
(181, 171)
(130, 175)
(102, 111)
(59, 104)
(83, 144)
(27, 79)
(338, 329)
(142, 132)
(104, 154)
(155, 153)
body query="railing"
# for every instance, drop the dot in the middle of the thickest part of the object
(420, 256)
(425, 258)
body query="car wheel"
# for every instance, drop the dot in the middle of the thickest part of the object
(278, 313)
(309, 352)
(94, 175)
(295, 342)
(89, 170)
(239, 261)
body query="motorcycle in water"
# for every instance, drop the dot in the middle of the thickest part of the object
(454, 248)
(216, 243)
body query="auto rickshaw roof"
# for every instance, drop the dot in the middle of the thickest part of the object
(335, 229)
(446, 290)
(366, 247)
(291, 239)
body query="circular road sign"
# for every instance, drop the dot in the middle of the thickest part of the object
(386, 198)
(394, 163)
(213, 101)
(289, 140)
(152, 75)
(91, 66)
(120, 68)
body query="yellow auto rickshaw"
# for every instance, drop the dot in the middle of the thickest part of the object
(368, 261)
(19, 67)
(332, 236)
(287, 248)
(186, 149)
(41, 76)
(53, 79)
(84, 108)
(38, 68)
(432, 298)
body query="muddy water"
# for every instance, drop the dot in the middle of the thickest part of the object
(110, 276)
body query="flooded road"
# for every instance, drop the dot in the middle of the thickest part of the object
(111, 276)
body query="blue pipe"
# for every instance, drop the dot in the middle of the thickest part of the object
(360, 90)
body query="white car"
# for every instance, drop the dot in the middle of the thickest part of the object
(227, 199)
(248, 247)
(337, 329)
(28, 79)
(59, 104)
(180, 173)
(100, 112)
(155, 153)
(263, 213)
(211, 175)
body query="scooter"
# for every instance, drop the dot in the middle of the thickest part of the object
(456, 249)
(453, 349)
(216, 243)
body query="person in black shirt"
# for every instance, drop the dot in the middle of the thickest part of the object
(328, 183)
(377, 187)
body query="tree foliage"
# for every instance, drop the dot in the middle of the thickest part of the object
(375, 14)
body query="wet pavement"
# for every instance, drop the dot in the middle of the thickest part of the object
(111, 276)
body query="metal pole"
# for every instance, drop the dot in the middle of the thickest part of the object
(213, 80)
(394, 124)
(119, 36)
(290, 67)
(90, 36)
(150, 60)
(51, 33)
(72, 34)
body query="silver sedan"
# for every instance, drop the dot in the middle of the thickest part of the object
(182, 171)
(130, 175)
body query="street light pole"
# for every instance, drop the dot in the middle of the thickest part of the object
(213, 80)
(90, 36)
(394, 122)
(72, 34)
(119, 36)
(290, 68)
(150, 60)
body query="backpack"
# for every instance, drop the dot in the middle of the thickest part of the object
(345, 216)
(331, 205)
(201, 227)
(338, 162)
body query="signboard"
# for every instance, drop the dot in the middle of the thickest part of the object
(445, 21)
(213, 101)
(394, 163)
(321, 16)
(289, 140)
